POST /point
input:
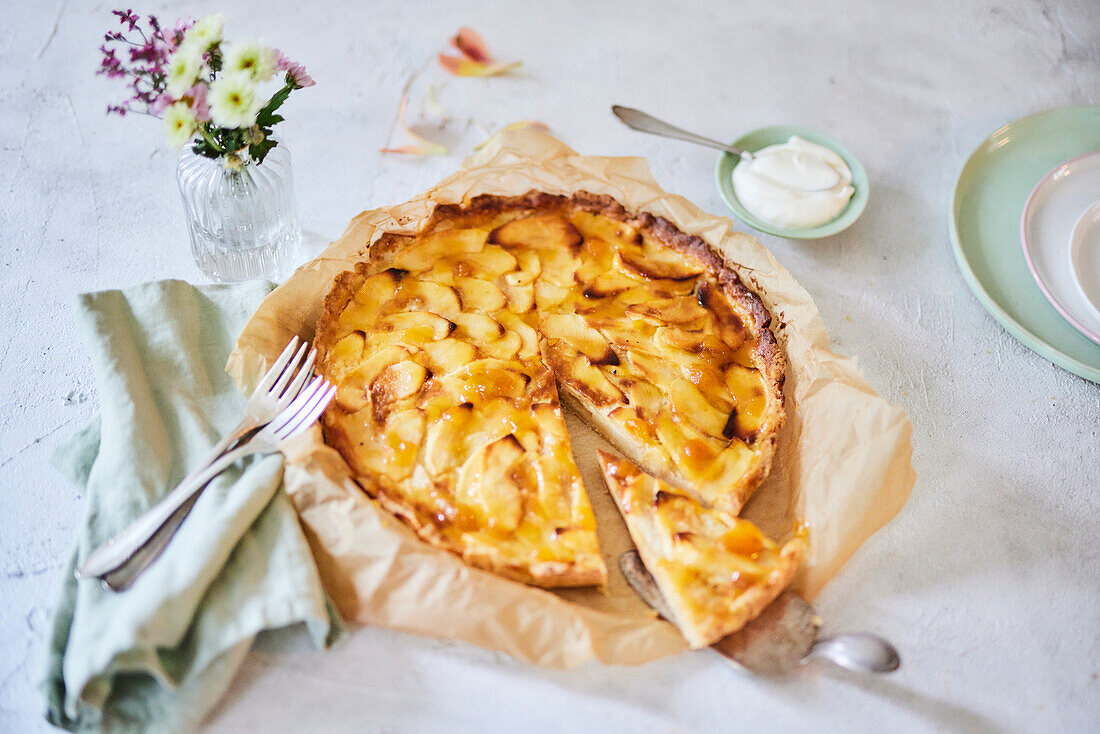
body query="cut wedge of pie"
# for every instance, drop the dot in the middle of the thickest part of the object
(448, 349)
(716, 571)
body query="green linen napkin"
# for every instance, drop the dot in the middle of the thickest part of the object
(158, 657)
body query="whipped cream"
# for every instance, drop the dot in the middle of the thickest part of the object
(797, 184)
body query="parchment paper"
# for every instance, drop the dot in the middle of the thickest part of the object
(842, 464)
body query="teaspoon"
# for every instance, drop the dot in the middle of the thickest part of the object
(646, 123)
(783, 637)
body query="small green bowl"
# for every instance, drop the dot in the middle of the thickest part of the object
(773, 135)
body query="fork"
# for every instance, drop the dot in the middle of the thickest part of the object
(296, 418)
(275, 391)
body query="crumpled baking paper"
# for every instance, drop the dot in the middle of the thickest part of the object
(843, 462)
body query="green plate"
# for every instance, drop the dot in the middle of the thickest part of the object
(766, 136)
(985, 229)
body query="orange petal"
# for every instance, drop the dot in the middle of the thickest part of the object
(428, 149)
(465, 67)
(472, 47)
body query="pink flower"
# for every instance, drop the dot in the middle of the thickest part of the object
(197, 95)
(126, 16)
(148, 51)
(143, 61)
(296, 74)
(110, 64)
(162, 103)
(175, 36)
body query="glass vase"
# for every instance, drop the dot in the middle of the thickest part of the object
(243, 221)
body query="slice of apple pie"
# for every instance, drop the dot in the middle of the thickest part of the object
(716, 571)
(448, 349)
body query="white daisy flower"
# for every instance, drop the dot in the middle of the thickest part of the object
(232, 100)
(206, 32)
(257, 60)
(179, 124)
(183, 70)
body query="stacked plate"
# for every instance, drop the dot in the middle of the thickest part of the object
(1060, 231)
(1025, 225)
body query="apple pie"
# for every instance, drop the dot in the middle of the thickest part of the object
(716, 571)
(448, 349)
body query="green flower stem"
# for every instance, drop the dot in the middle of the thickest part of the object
(210, 140)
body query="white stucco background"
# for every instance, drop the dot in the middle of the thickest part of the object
(989, 580)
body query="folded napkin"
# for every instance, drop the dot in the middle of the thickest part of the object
(158, 657)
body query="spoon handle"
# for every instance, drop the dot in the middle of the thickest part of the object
(642, 122)
(858, 651)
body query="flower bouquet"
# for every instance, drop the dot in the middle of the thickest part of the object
(235, 180)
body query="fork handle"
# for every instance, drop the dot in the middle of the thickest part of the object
(123, 577)
(121, 548)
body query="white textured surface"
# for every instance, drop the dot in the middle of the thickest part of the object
(989, 581)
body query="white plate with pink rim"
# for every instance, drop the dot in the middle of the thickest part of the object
(1084, 255)
(1057, 205)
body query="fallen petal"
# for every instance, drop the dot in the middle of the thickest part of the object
(472, 47)
(424, 149)
(465, 67)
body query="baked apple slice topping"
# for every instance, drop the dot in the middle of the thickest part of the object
(479, 296)
(439, 245)
(394, 383)
(491, 261)
(494, 481)
(577, 373)
(651, 268)
(521, 298)
(423, 295)
(420, 326)
(352, 390)
(541, 232)
(573, 330)
(447, 355)
(506, 348)
(448, 364)
(478, 328)
(728, 325)
(617, 233)
(608, 284)
(347, 353)
(682, 310)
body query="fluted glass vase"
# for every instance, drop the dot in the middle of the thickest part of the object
(243, 221)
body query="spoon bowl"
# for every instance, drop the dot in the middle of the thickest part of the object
(858, 651)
